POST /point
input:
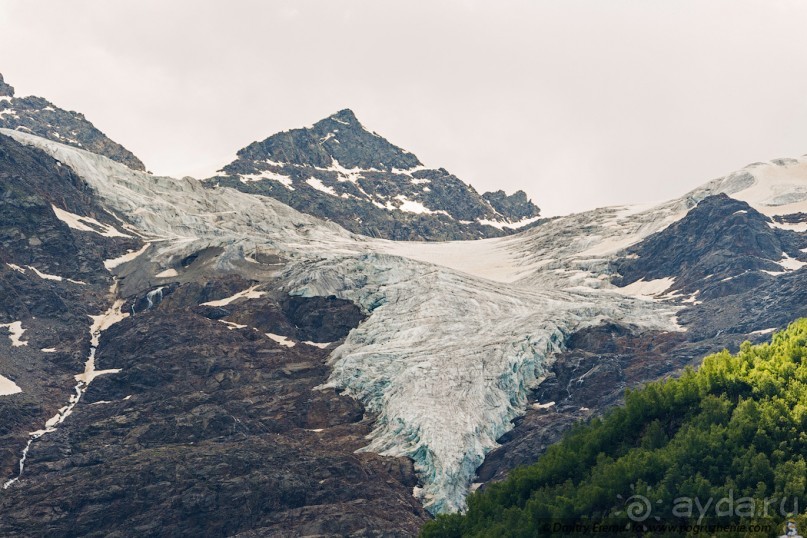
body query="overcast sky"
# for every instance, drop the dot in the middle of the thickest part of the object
(581, 103)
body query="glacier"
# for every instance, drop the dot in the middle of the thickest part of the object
(457, 333)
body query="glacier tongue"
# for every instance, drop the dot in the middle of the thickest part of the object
(457, 332)
(446, 360)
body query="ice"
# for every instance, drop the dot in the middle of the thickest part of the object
(232, 325)
(457, 333)
(788, 264)
(447, 360)
(100, 323)
(282, 340)
(321, 345)
(777, 187)
(183, 216)
(8, 387)
(15, 331)
(764, 331)
(249, 293)
(650, 288)
(546, 405)
(502, 224)
(693, 299)
(42, 275)
(129, 256)
(45, 276)
(320, 186)
(485, 258)
(791, 264)
(346, 174)
(286, 181)
(80, 223)
(16, 268)
(168, 273)
(800, 227)
(413, 206)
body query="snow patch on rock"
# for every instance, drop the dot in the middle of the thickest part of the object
(87, 224)
(249, 293)
(15, 332)
(282, 340)
(129, 256)
(8, 387)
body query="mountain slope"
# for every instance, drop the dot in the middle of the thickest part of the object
(339, 171)
(733, 429)
(52, 278)
(506, 332)
(711, 252)
(110, 405)
(39, 116)
(467, 348)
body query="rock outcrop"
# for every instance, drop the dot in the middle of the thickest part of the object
(212, 428)
(39, 116)
(339, 171)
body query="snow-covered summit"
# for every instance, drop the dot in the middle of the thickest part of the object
(774, 188)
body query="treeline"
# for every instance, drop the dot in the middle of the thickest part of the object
(723, 445)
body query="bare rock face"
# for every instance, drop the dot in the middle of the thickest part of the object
(516, 205)
(213, 428)
(340, 171)
(39, 116)
(6, 90)
(52, 278)
(203, 422)
(723, 246)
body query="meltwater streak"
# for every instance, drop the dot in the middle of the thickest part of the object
(101, 322)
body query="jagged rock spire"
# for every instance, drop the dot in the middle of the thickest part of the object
(6, 90)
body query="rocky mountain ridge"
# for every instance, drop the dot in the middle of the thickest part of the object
(316, 381)
(339, 171)
(214, 424)
(39, 116)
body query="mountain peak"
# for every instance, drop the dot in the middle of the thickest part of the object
(345, 116)
(338, 138)
(40, 117)
(7, 90)
(339, 170)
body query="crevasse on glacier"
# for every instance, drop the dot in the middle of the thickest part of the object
(446, 359)
(457, 333)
